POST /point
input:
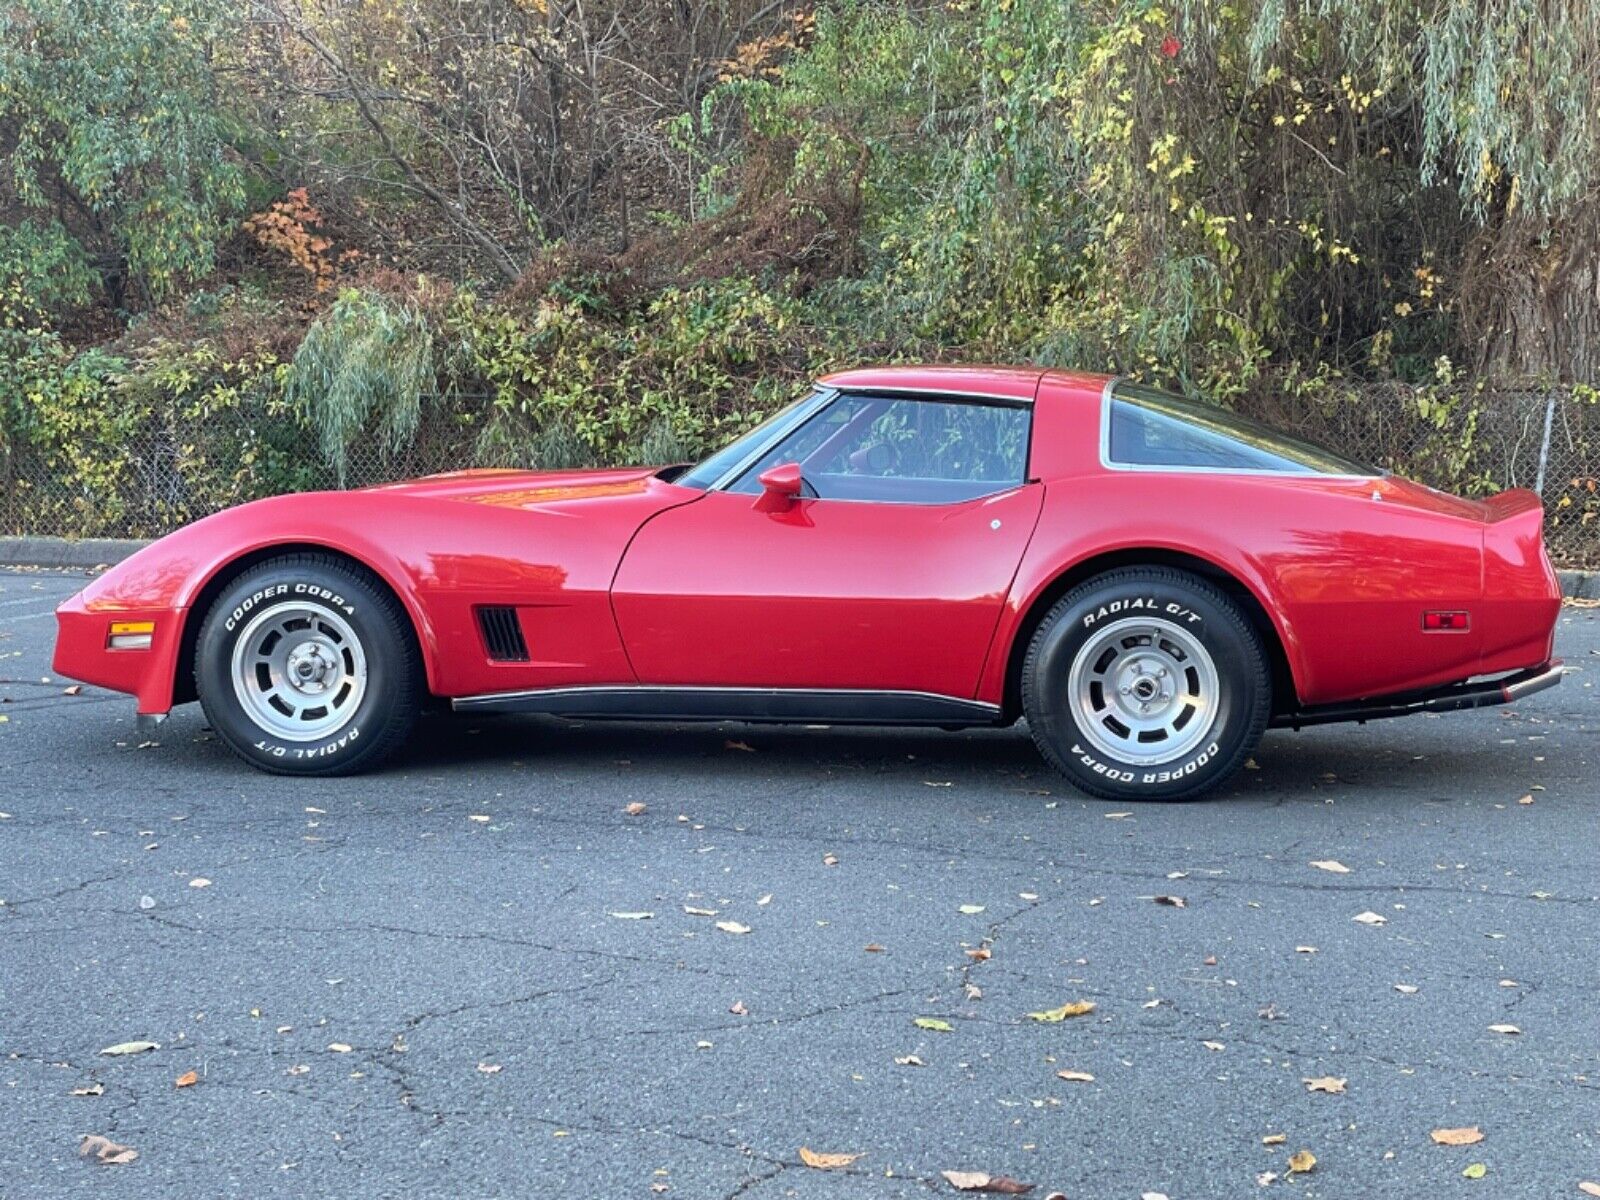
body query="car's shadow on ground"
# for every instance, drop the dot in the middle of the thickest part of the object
(1287, 766)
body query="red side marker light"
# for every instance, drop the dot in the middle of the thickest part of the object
(1446, 622)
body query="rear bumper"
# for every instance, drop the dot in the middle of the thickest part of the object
(1451, 698)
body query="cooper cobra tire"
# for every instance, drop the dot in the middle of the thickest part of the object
(307, 665)
(1146, 684)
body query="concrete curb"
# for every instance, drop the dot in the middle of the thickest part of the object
(64, 552)
(94, 552)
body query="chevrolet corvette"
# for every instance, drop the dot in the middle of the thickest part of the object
(1149, 581)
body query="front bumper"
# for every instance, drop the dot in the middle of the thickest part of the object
(82, 632)
(1451, 698)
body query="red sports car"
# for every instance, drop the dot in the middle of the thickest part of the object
(1150, 581)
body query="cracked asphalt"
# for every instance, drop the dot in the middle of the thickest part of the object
(453, 922)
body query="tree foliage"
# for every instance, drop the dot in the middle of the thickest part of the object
(112, 131)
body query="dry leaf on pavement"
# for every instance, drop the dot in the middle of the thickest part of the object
(1075, 1076)
(910, 1060)
(1466, 1136)
(934, 1024)
(1370, 918)
(187, 1079)
(1589, 1188)
(1171, 901)
(1275, 1139)
(970, 910)
(338, 1048)
(490, 1068)
(106, 1151)
(1331, 1084)
(1075, 1008)
(637, 809)
(1330, 864)
(131, 1048)
(1301, 1161)
(732, 927)
(825, 1162)
(980, 1181)
(1475, 1171)
(93, 1089)
(1504, 1029)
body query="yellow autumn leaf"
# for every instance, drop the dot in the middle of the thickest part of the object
(825, 1162)
(1076, 1008)
(1301, 1161)
(1475, 1171)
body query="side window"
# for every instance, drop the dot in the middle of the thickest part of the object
(905, 451)
(1152, 428)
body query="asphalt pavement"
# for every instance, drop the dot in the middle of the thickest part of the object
(539, 959)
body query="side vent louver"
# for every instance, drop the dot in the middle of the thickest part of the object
(502, 633)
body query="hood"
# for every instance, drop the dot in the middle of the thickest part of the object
(526, 489)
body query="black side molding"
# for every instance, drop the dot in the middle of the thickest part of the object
(811, 706)
(1450, 698)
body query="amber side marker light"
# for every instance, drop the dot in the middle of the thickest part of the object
(130, 635)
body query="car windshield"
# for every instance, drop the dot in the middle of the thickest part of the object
(1147, 427)
(706, 473)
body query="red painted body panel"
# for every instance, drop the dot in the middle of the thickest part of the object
(620, 577)
(825, 594)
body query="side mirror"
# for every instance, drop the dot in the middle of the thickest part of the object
(780, 487)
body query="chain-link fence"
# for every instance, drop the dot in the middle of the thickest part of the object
(159, 478)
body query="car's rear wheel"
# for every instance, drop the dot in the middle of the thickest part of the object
(306, 665)
(1146, 683)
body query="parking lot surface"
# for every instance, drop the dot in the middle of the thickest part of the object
(539, 959)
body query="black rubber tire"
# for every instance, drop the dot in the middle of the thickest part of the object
(394, 690)
(1213, 618)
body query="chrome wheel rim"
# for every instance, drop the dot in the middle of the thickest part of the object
(1144, 691)
(299, 671)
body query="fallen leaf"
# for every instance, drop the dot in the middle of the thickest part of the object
(1504, 1029)
(981, 954)
(637, 809)
(970, 910)
(1370, 918)
(1265, 1178)
(1528, 799)
(830, 860)
(1305, 949)
(765, 900)
(1275, 1139)
(297, 1069)
(93, 1089)
(74, 690)
(1209, 960)
(106, 1151)
(825, 1162)
(1118, 816)
(1589, 1188)
(873, 948)
(1466, 1136)
(1301, 1161)
(147, 902)
(1330, 864)
(745, 746)
(1075, 1076)
(481, 818)
(1075, 1008)
(187, 1079)
(1213, 1045)
(1331, 1084)
(1475, 1171)
(634, 916)
(738, 1009)
(1406, 989)
(339, 1047)
(489, 1068)
(131, 1048)
(979, 1181)
(1171, 901)
(910, 1060)
(199, 882)
(732, 927)
(699, 912)
(934, 1024)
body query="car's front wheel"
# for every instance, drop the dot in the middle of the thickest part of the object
(1146, 683)
(306, 665)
